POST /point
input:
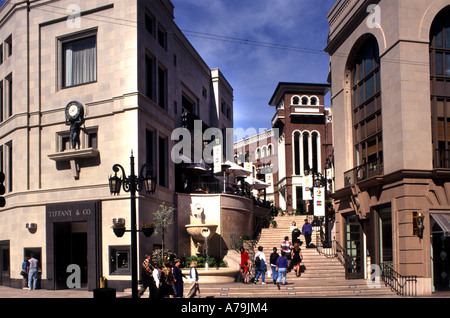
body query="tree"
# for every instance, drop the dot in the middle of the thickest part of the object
(163, 218)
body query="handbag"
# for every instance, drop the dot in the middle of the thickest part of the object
(23, 273)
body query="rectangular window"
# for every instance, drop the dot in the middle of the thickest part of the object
(1, 101)
(149, 24)
(119, 260)
(9, 167)
(162, 87)
(79, 61)
(9, 46)
(149, 77)
(150, 147)
(162, 37)
(163, 161)
(92, 139)
(9, 95)
(439, 64)
(1, 54)
(447, 64)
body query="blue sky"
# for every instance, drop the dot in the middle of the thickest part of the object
(257, 44)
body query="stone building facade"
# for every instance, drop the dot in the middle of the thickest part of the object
(390, 91)
(133, 74)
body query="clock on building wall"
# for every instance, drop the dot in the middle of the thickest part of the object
(74, 111)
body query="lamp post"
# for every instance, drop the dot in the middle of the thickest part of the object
(133, 184)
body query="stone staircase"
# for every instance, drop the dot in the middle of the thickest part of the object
(322, 276)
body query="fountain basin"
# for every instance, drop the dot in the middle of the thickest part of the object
(201, 231)
(215, 275)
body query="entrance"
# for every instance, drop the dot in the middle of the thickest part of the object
(5, 273)
(73, 236)
(70, 248)
(354, 245)
(440, 251)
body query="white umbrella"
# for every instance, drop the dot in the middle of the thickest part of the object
(236, 170)
(256, 184)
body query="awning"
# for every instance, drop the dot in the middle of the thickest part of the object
(443, 220)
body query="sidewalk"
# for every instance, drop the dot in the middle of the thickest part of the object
(6, 292)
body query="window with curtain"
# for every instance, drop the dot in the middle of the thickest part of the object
(80, 61)
(440, 88)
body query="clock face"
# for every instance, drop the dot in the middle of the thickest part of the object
(73, 110)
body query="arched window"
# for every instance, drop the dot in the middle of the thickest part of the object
(366, 105)
(295, 100)
(269, 150)
(264, 152)
(305, 100)
(314, 101)
(258, 153)
(440, 87)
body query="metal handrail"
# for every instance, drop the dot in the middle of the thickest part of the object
(405, 286)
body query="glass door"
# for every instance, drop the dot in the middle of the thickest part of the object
(354, 245)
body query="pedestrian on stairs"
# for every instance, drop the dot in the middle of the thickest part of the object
(286, 248)
(244, 259)
(273, 264)
(261, 265)
(282, 265)
(297, 258)
(307, 232)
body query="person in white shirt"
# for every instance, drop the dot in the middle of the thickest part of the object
(261, 265)
(194, 289)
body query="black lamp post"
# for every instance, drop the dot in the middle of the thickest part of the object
(133, 184)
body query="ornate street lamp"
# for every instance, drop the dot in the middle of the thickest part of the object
(133, 184)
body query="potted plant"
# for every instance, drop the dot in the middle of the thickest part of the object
(119, 229)
(147, 228)
(272, 222)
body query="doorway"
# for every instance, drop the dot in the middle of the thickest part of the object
(440, 251)
(354, 242)
(70, 247)
(5, 273)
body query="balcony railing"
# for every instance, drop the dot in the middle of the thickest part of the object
(442, 158)
(364, 172)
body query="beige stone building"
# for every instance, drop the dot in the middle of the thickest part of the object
(132, 73)
(390, 76)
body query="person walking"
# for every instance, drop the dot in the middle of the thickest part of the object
(178, 276)
(244, 259)
(261, 265)
(32, 273)
(307, 232)
(146, 272)
(282, 264)
(194, 289)
(166, 289)
(297, 258)
(246, 273)
(24, 273)
(273, 264)
(295, 232)
(286, 248)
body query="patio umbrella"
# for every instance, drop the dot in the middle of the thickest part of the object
(256, 184)
(236, 170)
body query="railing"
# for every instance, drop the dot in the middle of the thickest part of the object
(206, 187)
(363, 172)
(332, 249)
(405, 286)
(442, 158)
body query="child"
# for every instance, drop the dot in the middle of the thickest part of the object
(246, 273)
